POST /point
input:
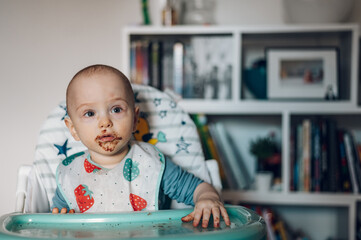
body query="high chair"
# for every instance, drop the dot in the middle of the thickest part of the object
(162, 123)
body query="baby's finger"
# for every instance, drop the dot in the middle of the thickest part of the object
(197, 217)
(55, 210)
(216, 217)
(225, 216)
(63, 210)
(71, 211)
(205, 217)
(188, 218)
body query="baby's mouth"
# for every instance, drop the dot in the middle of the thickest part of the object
(107, 138)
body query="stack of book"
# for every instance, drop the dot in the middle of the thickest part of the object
(193, 67)
(218, 144)
(324, 158)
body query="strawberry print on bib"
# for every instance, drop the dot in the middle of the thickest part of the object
(83, 197)
(137, 202)
(89, 167)
(130, 170)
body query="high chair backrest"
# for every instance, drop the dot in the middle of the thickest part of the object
(161, 122)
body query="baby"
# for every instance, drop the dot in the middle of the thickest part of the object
(117, 173)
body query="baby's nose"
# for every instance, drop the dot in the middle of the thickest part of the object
(105, 123)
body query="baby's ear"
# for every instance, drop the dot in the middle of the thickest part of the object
(71, 128)
(136, 116)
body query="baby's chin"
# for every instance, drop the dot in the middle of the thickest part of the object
(111, 149)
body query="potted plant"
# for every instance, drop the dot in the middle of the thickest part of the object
(268, 156)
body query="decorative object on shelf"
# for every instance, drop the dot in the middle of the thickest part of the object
(266, 150)
(255, 79)
(198, 12)
(317, 11)
(330, 94)
(302, 73)
(263, 181)
(145, 12)
(169, 14)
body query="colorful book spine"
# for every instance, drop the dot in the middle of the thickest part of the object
(133, 68)
(145, 62)
(178, 56)
(299, 161)
(306, 155)
(357, 160)
(233, 160)
(334, 166)
(324, 156)
(316, 159)
(167, 65)
(293, 158)
(344, 171)
(156, 73)
(351, 161)
(138, 62)
(231, 182)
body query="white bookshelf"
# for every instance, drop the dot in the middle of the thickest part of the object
(340, 207)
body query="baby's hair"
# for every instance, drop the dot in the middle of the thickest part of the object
(100, 68)
(97, 68)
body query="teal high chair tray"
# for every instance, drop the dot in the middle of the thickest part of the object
(165, 224)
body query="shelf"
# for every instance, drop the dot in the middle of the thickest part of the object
(246, 118)
(201, 29)
(297, 198)
(267, 107)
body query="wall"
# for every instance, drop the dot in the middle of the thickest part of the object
(44, 42)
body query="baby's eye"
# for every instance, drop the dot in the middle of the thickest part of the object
(89, 114)
(116, 110)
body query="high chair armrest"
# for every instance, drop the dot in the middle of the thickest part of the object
(21, 187)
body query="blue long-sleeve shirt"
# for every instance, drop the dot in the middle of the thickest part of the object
(176, 184)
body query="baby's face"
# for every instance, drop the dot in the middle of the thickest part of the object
(102, 114)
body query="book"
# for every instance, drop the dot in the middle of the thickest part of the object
(280, 230)
(298, 171)
(167, 65)
(156, 70)
(316, 157)
(268, 218)
(306, 155)
(333, 161)
(138, 63)
(145, 53)
(208, 144)
(351, 161)
(133, 68)
(189, 71)
(242, 166)
(293, 156)
(324, 155)
(178, 57)
(344, 170)
(356, 149)
(236, 168)
(231, 182)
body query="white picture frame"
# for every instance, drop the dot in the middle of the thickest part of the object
(302, 73)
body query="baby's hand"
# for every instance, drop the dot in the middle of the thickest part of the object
(204, 209)
(62, 211)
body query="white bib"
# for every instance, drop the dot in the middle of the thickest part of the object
(132, 185)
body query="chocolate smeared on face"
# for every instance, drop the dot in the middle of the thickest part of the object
(108, 141)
